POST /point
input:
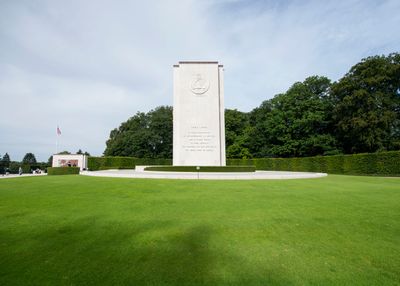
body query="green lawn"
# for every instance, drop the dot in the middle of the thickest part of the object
(76, 230)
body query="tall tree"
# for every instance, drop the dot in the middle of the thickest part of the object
(296, 123)
(236, 124)
(6, 160)
(143, 135)
(29, 159)
(367, 105)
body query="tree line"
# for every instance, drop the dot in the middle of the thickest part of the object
(8, 166)
(359, 113)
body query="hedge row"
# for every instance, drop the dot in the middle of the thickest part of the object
(201, 169)
(105, 163)
(382, 163)
(63, 171)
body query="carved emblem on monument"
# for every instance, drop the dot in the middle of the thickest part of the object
(199, 85)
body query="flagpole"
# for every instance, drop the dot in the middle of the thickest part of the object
(58, 135)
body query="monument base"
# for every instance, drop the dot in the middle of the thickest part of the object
(258, 175)
(202, 169)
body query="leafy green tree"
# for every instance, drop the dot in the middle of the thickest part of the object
(296, 123)
(79, 152)
(64, 153)
(143, 135)
(367, 105)
(29, 159)
(6, 160)
(50, 161)
(14, 166)
(236, 123)
(238, 151)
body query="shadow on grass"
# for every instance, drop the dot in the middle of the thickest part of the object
(154, 253)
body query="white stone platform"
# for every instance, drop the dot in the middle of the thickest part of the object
(258, 175)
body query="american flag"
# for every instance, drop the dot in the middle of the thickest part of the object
(58, 131)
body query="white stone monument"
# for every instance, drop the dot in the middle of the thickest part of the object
(70, 160)
(199, 125)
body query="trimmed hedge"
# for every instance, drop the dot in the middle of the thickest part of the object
(382, 164)
(202, 168)
(63, 171)
(105, 163)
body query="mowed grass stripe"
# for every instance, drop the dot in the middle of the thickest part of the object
(76, 230)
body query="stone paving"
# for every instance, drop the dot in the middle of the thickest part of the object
(258, 175)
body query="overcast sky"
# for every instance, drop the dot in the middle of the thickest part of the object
(88, 65)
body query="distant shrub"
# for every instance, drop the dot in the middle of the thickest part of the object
(109, 162)
(63, 171)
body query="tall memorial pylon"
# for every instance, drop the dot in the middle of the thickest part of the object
(198, 116)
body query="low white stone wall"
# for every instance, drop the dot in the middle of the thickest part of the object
(258, 175)
(140, 168)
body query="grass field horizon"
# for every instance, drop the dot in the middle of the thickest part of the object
(78, 230)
